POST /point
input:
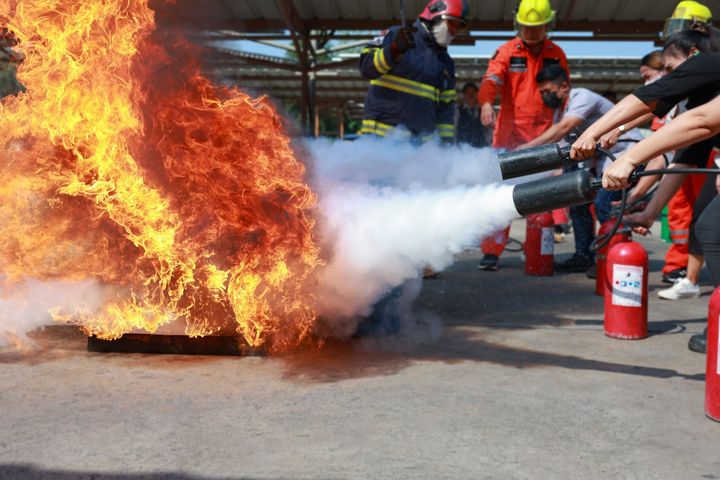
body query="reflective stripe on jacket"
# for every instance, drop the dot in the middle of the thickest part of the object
(511, 74)
(417, 93)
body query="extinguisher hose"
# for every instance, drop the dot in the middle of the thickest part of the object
(601, 241)
(515, 241)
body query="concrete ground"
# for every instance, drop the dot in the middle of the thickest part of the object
(520, 383)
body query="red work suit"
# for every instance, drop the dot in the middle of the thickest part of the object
(523, 115)
(511, 74)
(680, 213)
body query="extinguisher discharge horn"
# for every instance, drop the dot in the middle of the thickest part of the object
(533, 160)
(575, 188)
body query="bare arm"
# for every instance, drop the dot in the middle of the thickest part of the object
(627, 110)
(610, 139)
(689, 128)
(646, 183)
(669, 185)
(555, 133)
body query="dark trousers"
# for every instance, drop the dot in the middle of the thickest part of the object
(707, 229)
(707, 195)
(583, 224)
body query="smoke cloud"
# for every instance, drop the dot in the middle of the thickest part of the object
(30, 304)
(390, 209)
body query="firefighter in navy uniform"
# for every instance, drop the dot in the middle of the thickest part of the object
(412, 77)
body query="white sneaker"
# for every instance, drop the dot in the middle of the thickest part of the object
(683, 288)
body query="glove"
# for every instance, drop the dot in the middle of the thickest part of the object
(404, 40)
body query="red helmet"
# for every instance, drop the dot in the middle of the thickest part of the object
(447, 9)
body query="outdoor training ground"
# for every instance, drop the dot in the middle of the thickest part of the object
(522, 383)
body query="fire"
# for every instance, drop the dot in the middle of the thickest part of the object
(122, 163)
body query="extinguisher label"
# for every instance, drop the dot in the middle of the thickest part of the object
(547, 246)
(627, 286)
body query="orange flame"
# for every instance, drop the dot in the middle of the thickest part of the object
(124, 164)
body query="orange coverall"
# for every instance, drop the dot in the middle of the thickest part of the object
(680, 213)
(523, 115)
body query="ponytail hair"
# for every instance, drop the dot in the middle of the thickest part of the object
(704, 38)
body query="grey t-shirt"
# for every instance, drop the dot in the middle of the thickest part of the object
(589, 107)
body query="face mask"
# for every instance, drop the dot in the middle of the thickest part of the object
(442, 34)
(653, 80)
(551, 100)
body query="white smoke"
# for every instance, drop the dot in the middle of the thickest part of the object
(390, 209)
(26, 305)
(394, 162)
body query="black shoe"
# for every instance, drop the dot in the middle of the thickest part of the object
(576, 264)
(489, 263)
(591, 272)
(675, 275)
(698, 342)
(562, 228)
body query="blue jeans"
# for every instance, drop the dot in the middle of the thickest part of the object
(583, 224)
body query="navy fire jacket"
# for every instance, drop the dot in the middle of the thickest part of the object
(418, 92)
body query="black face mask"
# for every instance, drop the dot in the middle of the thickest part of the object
(551, 100)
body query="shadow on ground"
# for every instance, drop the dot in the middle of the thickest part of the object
(342, 361)
(27, 472)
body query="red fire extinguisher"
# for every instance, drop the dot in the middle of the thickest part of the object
(623, 235)
(626, 296)
(712, 374)
(540, 245)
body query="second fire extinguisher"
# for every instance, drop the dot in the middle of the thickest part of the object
(623, 235)
(626, 292)
(540, 245)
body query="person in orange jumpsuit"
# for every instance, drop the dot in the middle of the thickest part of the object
(511, 74)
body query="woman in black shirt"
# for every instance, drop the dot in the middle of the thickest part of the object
(696, 76)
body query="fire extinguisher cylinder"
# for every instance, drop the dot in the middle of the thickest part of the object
(623, 235)
(712, 374)
(528, 161)
(575, 188)
(626, 292)
(539, 245)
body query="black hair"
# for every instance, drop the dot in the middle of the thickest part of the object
(683, 42)
(653, 60)
(470, 85)
(552, 73)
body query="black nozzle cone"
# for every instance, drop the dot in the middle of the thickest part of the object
(575, 188)
(532, 160)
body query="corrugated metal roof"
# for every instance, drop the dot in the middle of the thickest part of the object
(228, 12)
(341, 85)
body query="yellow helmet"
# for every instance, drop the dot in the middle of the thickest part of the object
(534, 13)
(685, 15)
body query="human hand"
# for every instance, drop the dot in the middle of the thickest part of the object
(404, 40)
(617, 175)
(640, 222)
(487, 115)
(609, 140)
(583, 148)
